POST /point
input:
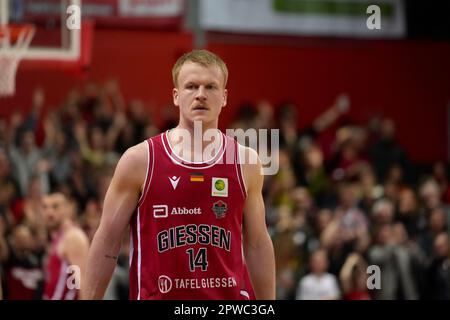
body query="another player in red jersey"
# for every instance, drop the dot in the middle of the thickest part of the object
(197, 226)
(68, 251)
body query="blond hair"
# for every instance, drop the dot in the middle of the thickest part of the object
(202, 57)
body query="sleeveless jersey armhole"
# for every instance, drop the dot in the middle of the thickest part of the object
(149, 173)
(239, 171)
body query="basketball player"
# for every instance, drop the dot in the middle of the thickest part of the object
(197, 227)
(68, 251)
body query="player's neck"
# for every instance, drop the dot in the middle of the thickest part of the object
(64, 225)
(193, 126)
(185, 141)
(198, 130)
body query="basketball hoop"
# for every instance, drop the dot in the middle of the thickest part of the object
(14, 43)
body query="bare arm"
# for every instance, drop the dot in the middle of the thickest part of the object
(76, 247)
(346, 272)
(120, 202)
(330, 116)
(258, 247)
(330, 233)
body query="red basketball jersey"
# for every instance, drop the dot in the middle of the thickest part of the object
(56, 274)
(186, 234)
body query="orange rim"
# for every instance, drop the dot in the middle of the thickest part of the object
(15, 30)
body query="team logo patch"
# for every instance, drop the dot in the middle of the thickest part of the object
(219, 187)
(164, 284)
(220, 209)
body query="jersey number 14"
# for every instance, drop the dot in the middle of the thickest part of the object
(197, 260)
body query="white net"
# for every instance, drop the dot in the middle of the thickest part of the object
(10, 56)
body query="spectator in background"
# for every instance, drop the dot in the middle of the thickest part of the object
(28, 207)
(396, 175)
(430, 194)
(318, 284)
(348, 159)
(382, 212)
(28, 161)
(437, 223)
(102, 114)
(293, 241)
(56, 150)
(8, 188)
(440, 174)
(386, 152)
(391, 191)
(91, 218)
(353, 277)
(89, 99)
(353, 222)
(121, 134)
(394, 183)
(397, 281)
(418, 260)
(439, 270)
(67, 117)
(112, 95)
(286, 253)
(369, 189)
(304, 215)
(93, 145)
(322, 220)
(314, 176)
(332, 239)
(282, 183)
(297, 141)
(408, 212)
(139, 118)
(80, 183)
(26, 157)
(23, 266)
(4, 251)
(3, 133)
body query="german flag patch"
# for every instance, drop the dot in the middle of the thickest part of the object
(197, 177)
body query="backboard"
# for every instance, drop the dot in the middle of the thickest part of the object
(55, 39)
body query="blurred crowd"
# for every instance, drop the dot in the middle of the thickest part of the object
(336, 206)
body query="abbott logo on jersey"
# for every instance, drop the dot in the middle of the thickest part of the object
(162, 211)
(184, 210)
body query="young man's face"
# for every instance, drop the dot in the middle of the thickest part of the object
(200, 94)
(54, 210)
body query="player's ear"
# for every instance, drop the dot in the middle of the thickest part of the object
(175, 96)
(225, 96)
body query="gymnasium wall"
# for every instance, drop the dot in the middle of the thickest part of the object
(406, 80)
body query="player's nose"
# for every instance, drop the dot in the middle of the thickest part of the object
(201, 93)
